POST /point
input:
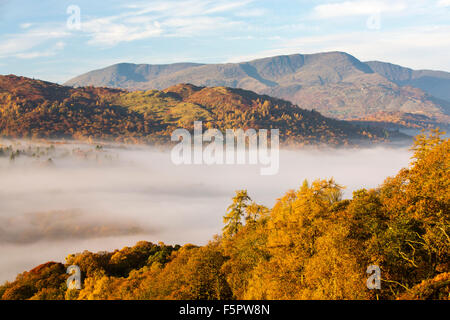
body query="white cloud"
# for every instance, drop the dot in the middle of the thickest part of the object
(357, 8)
(223, 7)
(26, 25)
(59, 46)
(19, 45)
(256, 12)
(187, 7)
(105, 31)
(137, 21)
(443, 3)
(162, 18)
(193, 26)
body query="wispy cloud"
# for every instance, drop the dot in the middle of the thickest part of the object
(255, 12)
(357, 8)
(55, 49)
(188, 27)
(25, 25)
(19, 45)
(443, 3)
(161, 18)
(187, 8)
(106, 31)
(136, 21)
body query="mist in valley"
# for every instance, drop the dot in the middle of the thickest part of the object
(63, 198)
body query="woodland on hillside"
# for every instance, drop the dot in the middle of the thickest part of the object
(37, 109)
(311, 245)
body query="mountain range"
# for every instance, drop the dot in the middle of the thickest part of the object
(334, 83)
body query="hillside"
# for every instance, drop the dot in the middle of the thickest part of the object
(435, 83)
(34, 108)
(310, 245)
(334, 83)
(396, 121)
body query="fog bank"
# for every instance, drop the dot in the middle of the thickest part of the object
(72, 198)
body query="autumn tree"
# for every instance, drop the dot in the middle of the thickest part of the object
(235, 213)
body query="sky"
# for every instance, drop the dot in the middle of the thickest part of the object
(55, 40)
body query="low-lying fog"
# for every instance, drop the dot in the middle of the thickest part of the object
(102, 199)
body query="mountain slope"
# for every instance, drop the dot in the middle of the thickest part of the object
(127, 75)
(34, 108)
(435, 83)
(334, 83)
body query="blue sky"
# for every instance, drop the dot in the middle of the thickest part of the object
(37, 41)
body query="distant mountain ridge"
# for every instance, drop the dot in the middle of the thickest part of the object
(435, 83)
(270, 72)
(334, 83)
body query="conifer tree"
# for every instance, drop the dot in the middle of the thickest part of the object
(233, 218)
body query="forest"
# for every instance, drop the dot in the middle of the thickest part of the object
(38, 109)
(312, 244)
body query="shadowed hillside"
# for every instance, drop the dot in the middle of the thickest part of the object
(435, 83)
